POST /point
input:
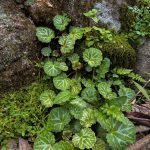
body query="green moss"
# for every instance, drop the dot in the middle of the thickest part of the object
(126, 18)
(119, 51)
(21, 113)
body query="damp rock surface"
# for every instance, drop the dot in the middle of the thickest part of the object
(42, 11)
(18, 47)
(143, 58)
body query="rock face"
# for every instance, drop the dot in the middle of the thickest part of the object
(18, 46)
(43, 11)
(143, 58)
(108, 11)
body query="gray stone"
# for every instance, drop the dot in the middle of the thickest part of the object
(108, 11)
(143, 58)
(18, 46)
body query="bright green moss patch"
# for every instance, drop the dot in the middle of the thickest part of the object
(21, 113)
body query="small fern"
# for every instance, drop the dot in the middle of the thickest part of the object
(136, 77)
(129, 73)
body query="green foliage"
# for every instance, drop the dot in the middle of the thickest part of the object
(21, 113)
(92, 56)
(46, 51)
(54, 68)
(89, 94)
(61, 22)
(89, 117)
(120, 135)
(44, 141)
(118, 49)
(99, 145)
(142, 90)
(47, 98)
(129, 73)
(44, 34)
(138, 25)
(86, 92)
(105, 35)
(105, 90)
(76, 33)
(58, 118)
(62, 145)
(92, 14)
(85, 139)
(61, 83)
(62, 97)
(103, 68)
(67, 44)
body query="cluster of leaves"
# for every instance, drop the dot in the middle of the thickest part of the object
(140, 26)
(92, 14)
(85, 93)
(21, 113)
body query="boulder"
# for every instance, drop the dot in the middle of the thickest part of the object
(18, 47)
(43, 11)
(108, 11)
(143, 58)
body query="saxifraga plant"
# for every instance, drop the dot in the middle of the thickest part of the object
(88, 98)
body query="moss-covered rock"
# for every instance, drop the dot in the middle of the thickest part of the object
(119, 51)
(114, 46)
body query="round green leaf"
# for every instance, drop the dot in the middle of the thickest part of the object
(61, 83)
(67, 44)
(129, 93)
(77, 106)
(60, 22)
(74, 58)
(44, 34)
(120, 135)
(46, 51)
(52, 68)
(85, 139)
(90, 94)
(58, 118)
(62, 145)
(62, 97)
(88, 117)
(63, 66)
(76, 33)
(88, 68)
(44, 141)
(75, 87)
(103, 68)
(47, 98)
(93, 57)
(88, 82)
(99, 145)
(105, 90)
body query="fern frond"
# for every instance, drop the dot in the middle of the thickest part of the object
(122, 71)
(136, 77)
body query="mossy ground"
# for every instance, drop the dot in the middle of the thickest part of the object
(21, 113)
